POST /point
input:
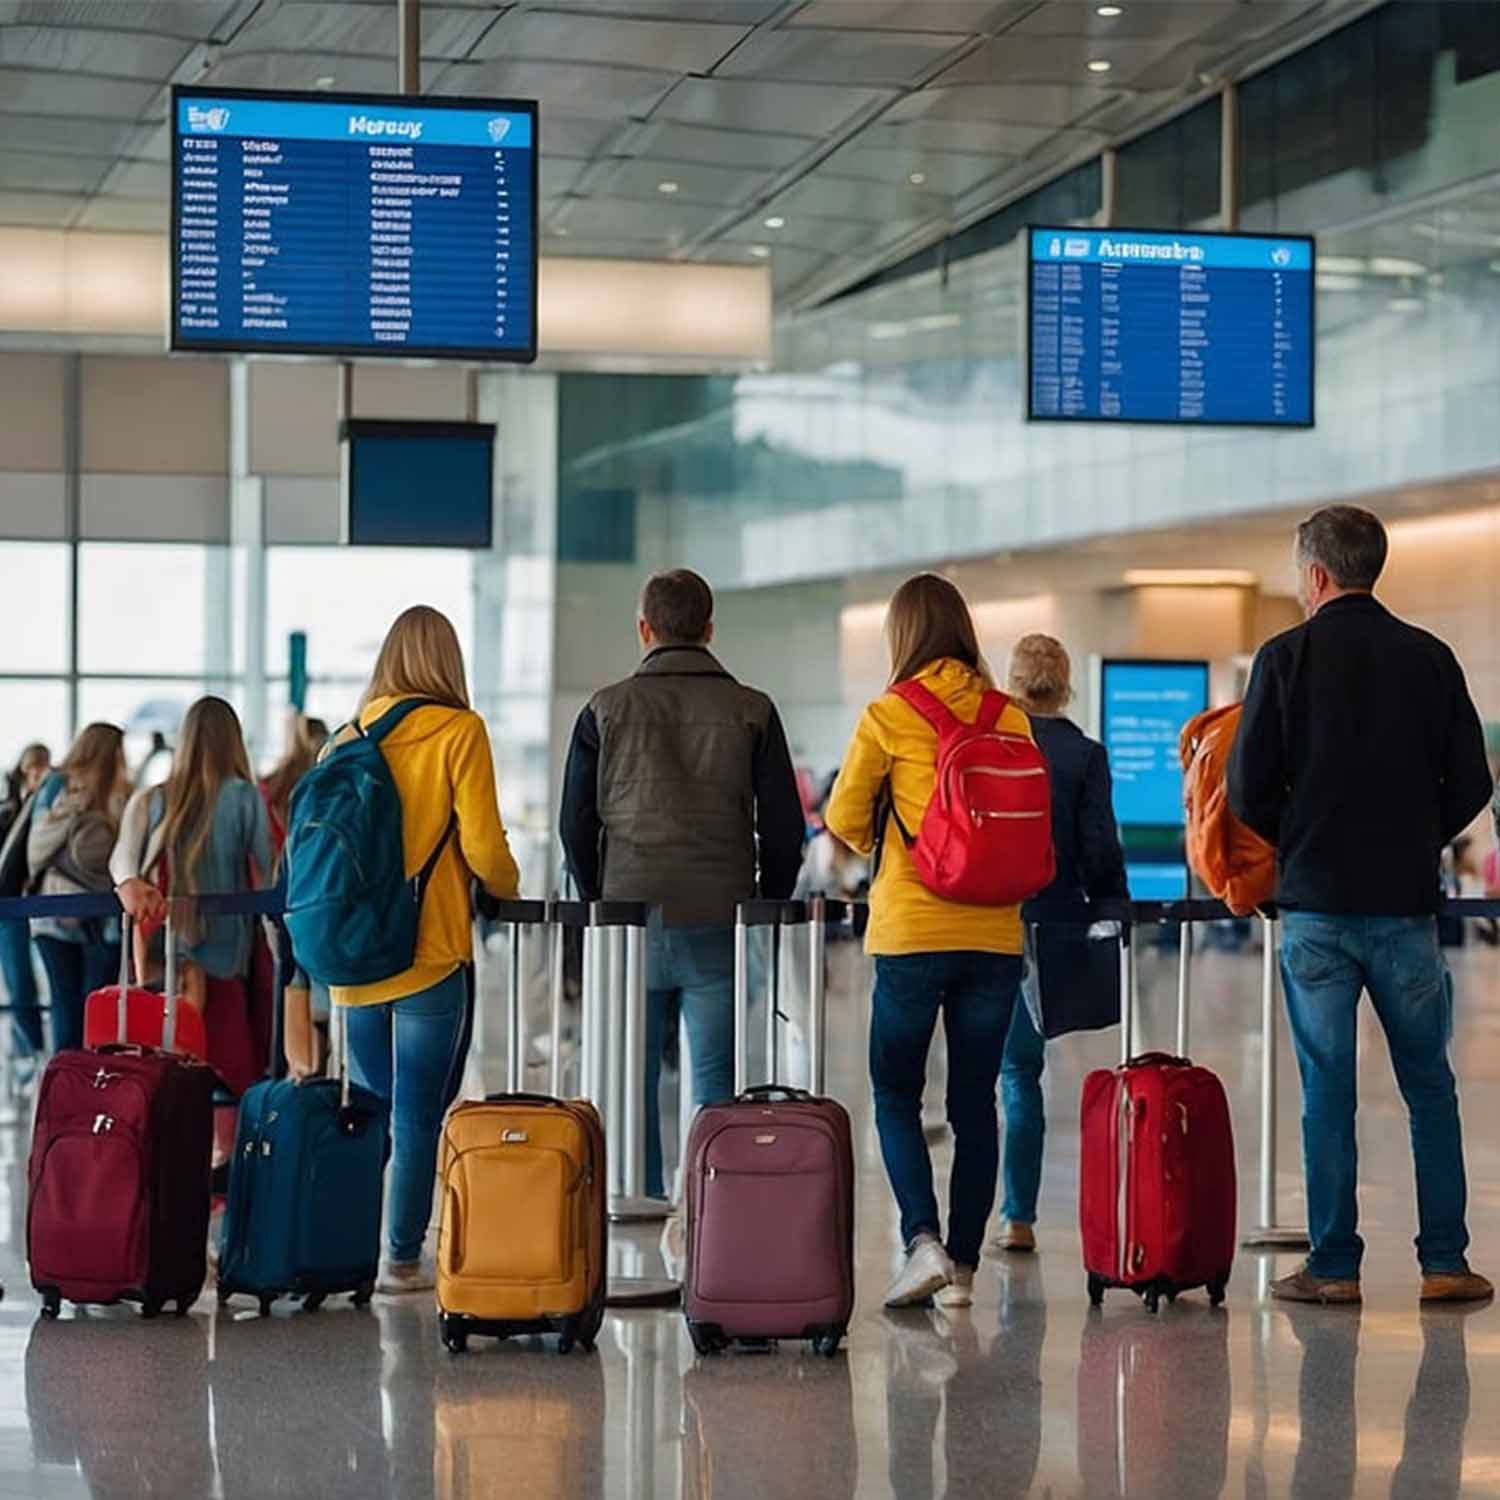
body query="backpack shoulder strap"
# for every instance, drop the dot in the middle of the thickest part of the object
(392, 717)
(991, 708)
(919, 696)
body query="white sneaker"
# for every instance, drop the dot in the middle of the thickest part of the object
(400, 1276)
(960, 1291)
(926, 1271)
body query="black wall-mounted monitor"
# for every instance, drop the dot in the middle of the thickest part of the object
(418, 484)
(354, 225)
(1129, 325)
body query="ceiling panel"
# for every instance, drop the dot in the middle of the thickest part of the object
(804, 232)
(560, 175)
(297, 25)
(42, 93)
(1031, 106)
(65, 138)
(302, 70)
(870, 57)
(946, 174)
(681, 46)
(640, 177)
(724, 148)
(1172, 20)
(194, 19)
(120, 54)
(1055, 59)
(576, 135)
(664, 221)
(978, 137)
(140, 179)
(58, 174)
(734, 12)
(957, 17)
(573, 88)
(40, 210)
(736, 104)
(833, 197)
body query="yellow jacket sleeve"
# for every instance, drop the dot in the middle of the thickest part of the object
(850, 814)
(481, 834)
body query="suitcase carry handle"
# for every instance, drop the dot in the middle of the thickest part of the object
(773, 1091)
(1158, 1060)
(512, 1097)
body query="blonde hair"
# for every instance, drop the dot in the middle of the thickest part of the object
(1040, 676)
(927, 621)
(92, 767)
(421, 658)
(210, 752)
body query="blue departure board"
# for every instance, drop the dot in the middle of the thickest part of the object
(354, 225)
(1136, 326)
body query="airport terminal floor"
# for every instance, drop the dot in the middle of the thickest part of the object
(1027, 1394)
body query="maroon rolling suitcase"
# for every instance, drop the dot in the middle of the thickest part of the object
(1157, 1191)
(770, 1193)
(119, 1181)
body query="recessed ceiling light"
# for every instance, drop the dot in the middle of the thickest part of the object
(324, 82)
(917, 179)
(760, 252)
(1099, 65)
(667, 187)
(1109, 12)
(775, 222)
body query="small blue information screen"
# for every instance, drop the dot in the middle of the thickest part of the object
(355, 225)
(1136, 326)
(1146, 704)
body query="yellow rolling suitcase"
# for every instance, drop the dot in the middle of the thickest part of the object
(522, 1249)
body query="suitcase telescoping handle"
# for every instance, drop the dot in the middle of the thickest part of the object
(817, 912)
(170, 998)
(1129, 998)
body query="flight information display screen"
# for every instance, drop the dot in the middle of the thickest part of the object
(354, 225)
(1135, 326)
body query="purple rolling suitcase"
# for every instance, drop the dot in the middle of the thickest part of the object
(770, 1196)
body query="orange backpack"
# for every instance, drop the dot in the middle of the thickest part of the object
(1233, 861)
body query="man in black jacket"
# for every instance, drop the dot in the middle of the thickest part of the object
(679, 791)
(1360, 756)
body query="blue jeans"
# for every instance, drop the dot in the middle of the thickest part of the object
(411, 1052)
(695, 967)
(74, 972)
(1025, 1121)
(20, 988)
(1325, 963)
(975, 994)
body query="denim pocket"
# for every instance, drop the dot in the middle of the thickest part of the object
(1416, 961)
(1311, 959)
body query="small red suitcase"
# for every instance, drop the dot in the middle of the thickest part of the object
(770, 1209)
(120, 1178)
(1157, 1192)
(127, 1013)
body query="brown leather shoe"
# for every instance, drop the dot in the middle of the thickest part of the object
(1303, 1286)
(1016, 1239)
(1455, 1286)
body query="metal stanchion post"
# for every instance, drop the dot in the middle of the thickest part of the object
(1268, 1234)
(625, 1112)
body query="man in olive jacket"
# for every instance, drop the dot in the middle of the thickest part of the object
(679, 791)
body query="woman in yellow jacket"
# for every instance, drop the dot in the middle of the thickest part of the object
(408, 1036)
(932, 956)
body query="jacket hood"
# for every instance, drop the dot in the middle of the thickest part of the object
(949, 678)
(420, 724)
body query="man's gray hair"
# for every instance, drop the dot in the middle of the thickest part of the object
(1348, 542)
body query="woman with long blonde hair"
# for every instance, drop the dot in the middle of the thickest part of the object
(409, 1035)
(73, 827)
(203, 830)
(932, 956)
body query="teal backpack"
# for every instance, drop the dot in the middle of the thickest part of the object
(351, 909)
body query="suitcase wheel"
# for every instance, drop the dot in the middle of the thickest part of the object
(183, 1305)
(455, 1336)
(1096, 1290)
(151, 1306)
(224, 1295)
(565, 1344)
(708, 1338)
(313, 1301)
(1152, 1299)
(51, 1303)
(1216, 1291)
(827, 1343)
(265, 1306)
(363, 1295)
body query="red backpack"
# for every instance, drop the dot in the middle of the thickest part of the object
(986, 837)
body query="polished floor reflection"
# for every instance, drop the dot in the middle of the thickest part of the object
(1027, 1394)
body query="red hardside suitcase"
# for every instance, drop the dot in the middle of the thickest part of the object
(119, 1181)
(770, 1207)
(1157, 1193)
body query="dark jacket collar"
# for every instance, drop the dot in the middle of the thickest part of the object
(1351, 602)
(681, 661)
